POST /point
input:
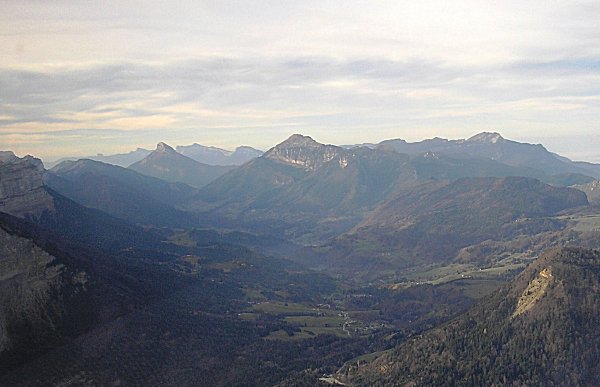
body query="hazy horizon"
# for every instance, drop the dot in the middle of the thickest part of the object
(174, 145)
(84, 78)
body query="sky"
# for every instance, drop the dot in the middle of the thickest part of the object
(84, 77)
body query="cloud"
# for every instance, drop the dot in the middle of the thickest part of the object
(219, 72)
(109, 92)
(314, 92)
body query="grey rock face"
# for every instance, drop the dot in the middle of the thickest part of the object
(22, 191)
(304, 152)
(592, 190)
(28, 281)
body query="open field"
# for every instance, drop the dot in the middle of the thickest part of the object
(306, 321)
(284, 308)
(587, 223)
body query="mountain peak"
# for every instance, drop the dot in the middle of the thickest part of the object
(490, 137)
(162, 147)
(246, 148)
(299, 140)
(304, 152)
(21, 186)
(6, 156)
(212, 155)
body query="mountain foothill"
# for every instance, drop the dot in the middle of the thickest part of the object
(439, 262)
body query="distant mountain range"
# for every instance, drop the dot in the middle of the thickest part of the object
(165, 163)
(122, 159)
(304, 188)
(203, 154)
(307, 189)
(122, 192)
(309, 193)
(301, 260)
(492, 146)
(216, 156)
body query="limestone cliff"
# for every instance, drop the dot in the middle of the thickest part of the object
(304, 152)
(27, 280)
(22, 191)
(38, 295)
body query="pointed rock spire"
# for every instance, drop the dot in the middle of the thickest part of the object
(490, 137)
(162, 147)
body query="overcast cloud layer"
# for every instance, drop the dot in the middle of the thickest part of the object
(84, 77)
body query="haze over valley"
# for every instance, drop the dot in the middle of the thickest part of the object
(312, 193)
(325, 260)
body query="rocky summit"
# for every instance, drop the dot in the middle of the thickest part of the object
(165, 163)
(304, 152)
(22, 191)
(492, 138)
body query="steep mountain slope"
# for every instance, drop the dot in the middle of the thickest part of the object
(338, 179)
(122, 193)
(173, 194)
(310, 191)
(54, 288)
(493, 146)
(592, 190)
(304, 152)
(77, 269)
(184, 322)
(432, 222)
(6, 156)
(87, 298)
(540, 329)
(216, 156)
(302, 187)
(508, 197)
(439, 166)
(38, 296)
(22, 193)
(247, 183)
(283, 165)
(591, 169)
(166, 164)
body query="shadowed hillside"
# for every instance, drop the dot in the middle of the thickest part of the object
(540, 329)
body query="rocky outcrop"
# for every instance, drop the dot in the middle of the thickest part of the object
(22, 191)
(7, 156)
(27, 282)
(534, 292)
(488, 137)
(592, 190)
(304, 152)
(44, 296)
(552, 341)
